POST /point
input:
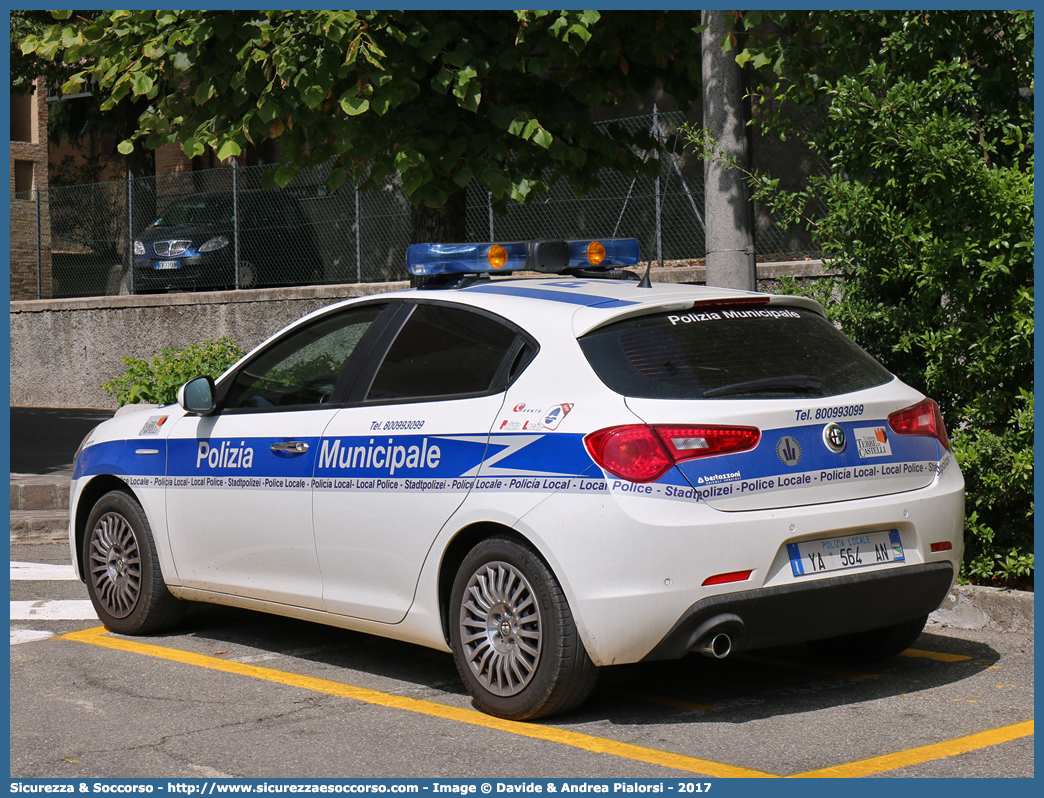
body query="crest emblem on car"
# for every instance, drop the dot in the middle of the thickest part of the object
(834, 438)
(788, 450)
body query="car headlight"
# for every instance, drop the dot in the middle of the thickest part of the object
(217, 242)
(139, 248)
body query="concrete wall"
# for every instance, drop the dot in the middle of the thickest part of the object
(64, 350)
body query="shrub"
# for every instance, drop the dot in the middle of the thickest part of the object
(157, 381)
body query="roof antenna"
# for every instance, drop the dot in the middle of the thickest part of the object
(646, 282)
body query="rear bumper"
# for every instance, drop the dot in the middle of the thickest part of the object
(812, 610)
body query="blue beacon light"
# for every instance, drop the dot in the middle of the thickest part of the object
(504, 257)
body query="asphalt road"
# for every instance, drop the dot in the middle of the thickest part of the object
(44, 439)
(238, 694)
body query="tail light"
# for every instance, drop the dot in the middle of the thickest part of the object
(643, 453)
(922, 418)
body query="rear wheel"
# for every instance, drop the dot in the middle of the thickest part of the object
(122, 568)
(872, 645)
(513, 636)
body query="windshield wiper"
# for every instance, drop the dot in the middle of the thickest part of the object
(795, 382)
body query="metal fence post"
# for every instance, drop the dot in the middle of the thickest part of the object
(358, 237)
(489, 201)
(656, 155)
(129, 248)
(235, 218)
(39, 249)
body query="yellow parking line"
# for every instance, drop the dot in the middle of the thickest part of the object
(915, 756)
(98, 637)
(936, 655)
(881, 764)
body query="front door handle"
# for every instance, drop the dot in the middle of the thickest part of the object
(293, 447)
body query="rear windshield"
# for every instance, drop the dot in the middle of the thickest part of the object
(734, 353)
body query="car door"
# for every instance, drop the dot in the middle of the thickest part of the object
(239, 504)
(396, 462)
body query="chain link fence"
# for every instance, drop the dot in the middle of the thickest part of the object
(218, 229)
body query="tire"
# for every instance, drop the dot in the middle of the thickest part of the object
(122, 568)
(872, 645)
(513, 636)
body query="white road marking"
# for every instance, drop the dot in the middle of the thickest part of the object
(41, 571)
(45, 609)
(28, 636)
(52, 610)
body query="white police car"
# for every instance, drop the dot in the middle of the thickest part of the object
(543, 476)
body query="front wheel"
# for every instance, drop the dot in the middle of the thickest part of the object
(123, 573)
(872, 645)
(513, 636)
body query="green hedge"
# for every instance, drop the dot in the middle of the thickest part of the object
(157, 380)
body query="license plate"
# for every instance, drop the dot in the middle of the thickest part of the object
(849, 551)
(167, 264)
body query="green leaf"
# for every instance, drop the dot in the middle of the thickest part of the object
(455, 59)
(182, 63)
(382, 102)
(337, 178)
(412, 180)
(542, 138)
(204, 92)
(353, 106)
(313, 96)
(228, 150)
(539, 66)
(268, 111)
(284, 173)
(125, 147)
(442, 81)
(141, 83)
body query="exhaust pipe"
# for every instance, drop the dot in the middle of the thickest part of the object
(716, 646)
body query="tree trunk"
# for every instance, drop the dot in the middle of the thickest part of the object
(443, 225)
(725, 192)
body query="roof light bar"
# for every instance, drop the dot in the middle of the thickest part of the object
(502, 257)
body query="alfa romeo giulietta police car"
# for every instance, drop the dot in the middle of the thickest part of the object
(542, 475)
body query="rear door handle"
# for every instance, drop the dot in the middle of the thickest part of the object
(294, 447)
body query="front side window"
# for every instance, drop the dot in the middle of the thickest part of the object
(730, 353)
(442, 351)
(303, 368)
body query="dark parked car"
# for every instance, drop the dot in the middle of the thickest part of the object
(192, 244)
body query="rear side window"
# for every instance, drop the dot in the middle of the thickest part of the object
(733, 353)
(442, 351)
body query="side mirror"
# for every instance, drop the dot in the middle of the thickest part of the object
(197, 396)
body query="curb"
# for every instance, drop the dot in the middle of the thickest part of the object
(39, 492)
(39, 526)
(990, 608)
